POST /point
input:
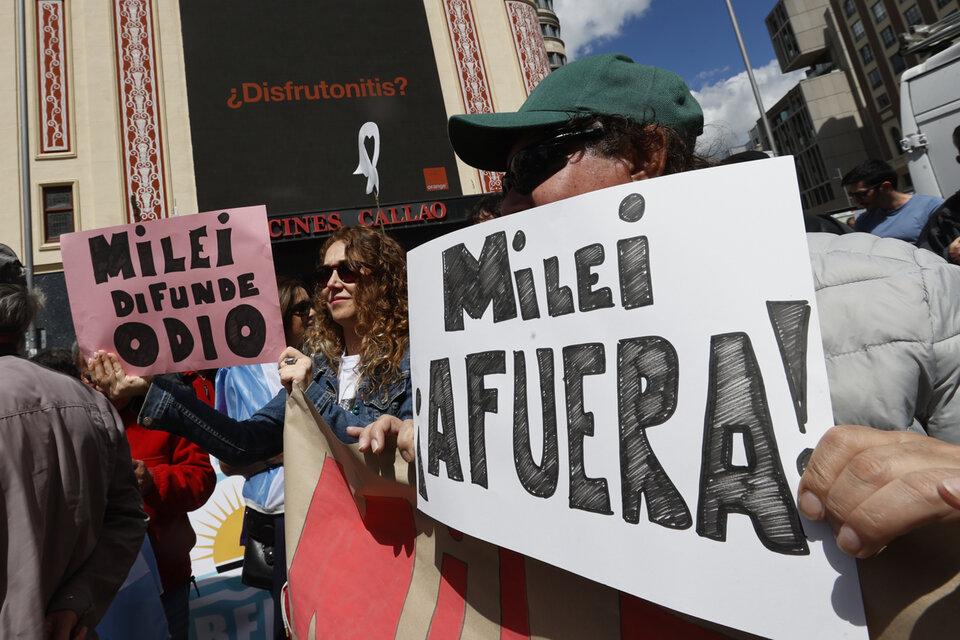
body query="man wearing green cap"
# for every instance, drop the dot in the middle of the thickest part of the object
(888, 321)
(595, 123)
(889, 324)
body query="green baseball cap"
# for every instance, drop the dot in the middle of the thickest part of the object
(609, 84)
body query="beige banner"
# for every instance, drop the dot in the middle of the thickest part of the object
(364, 563)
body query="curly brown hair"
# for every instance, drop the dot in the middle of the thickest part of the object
(623, 137)
(381, 300)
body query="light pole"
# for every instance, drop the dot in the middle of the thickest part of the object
(753, 81)
(25, 199)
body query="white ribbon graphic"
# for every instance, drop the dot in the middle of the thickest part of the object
(368, 165)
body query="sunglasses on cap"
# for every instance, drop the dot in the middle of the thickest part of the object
(532, 165)
(345, 273)
(302, 309)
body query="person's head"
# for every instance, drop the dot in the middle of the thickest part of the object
(361, 290)
(486, 208)
(956, 141)
(18, 305)
(871, 184)
(62, 360)
(594, 123)
(296, 309)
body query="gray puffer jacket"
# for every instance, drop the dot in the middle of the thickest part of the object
(890, 317)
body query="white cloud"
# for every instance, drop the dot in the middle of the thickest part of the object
(582, 23)
(729, 108)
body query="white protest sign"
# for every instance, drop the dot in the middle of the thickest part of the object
(624, 384)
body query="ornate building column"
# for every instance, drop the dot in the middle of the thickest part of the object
(140, 132)
(474, 85)
(53, 96)
(528, 40)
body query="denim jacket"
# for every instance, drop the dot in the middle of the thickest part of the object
(169, 407)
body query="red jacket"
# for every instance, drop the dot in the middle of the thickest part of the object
(183, 480)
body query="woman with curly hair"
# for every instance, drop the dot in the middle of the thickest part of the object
(359, 370)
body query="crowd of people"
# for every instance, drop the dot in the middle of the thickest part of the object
(96, 458)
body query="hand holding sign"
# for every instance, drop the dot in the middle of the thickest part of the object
(874, 486)
(374, 436)
(108, 375)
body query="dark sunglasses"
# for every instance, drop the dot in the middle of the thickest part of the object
(302, 309)
(346, 274)
(863, 193)
(532, 165)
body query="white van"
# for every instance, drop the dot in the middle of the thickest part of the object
(929, 112)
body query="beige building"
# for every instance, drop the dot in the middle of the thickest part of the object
(848, 107)
(109, 119)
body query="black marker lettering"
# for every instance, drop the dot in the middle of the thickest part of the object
(527, 292)
(179, 298)
(472, 285)
(539, 480)
(224, 246)
(588, 494)
(246, 287)
(179, 337)
(206, 338)
(654, 360)
(245, 317)
(589, 299)
(171, 263)
(790, 322)
(157, 290)
(197, 259)
(442, 445)
(122, 303)
(633, 261)
(481, 401)
(203, 292)
(145, 253)
(559, 298)
(142, 354)
(110, 259)
(737, 403)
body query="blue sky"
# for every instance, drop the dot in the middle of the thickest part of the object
(693, 38)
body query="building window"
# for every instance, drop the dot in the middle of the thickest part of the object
(878, 11)
(913, 15)
(942, 3)
(57, 212)
(556, 59)
(875, 78)
(866, 54)
(895, 135)
(888, 37)
(883, 101)
(545, 4)
(849, 8)
(858, 31)
(898, 63)
(550, 30)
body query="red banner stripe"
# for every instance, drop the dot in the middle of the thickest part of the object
(447, 623)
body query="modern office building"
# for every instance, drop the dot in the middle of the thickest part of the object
(139, 110)
(847, 107)
(872, 31)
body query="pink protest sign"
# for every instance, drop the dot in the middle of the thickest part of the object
(192, 292)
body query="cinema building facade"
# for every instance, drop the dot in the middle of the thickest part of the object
(330, 113)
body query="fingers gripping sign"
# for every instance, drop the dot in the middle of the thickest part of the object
(295, 368)
(874, 486)
(374, 436)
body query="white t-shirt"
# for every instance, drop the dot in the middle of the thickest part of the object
(348, 381)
